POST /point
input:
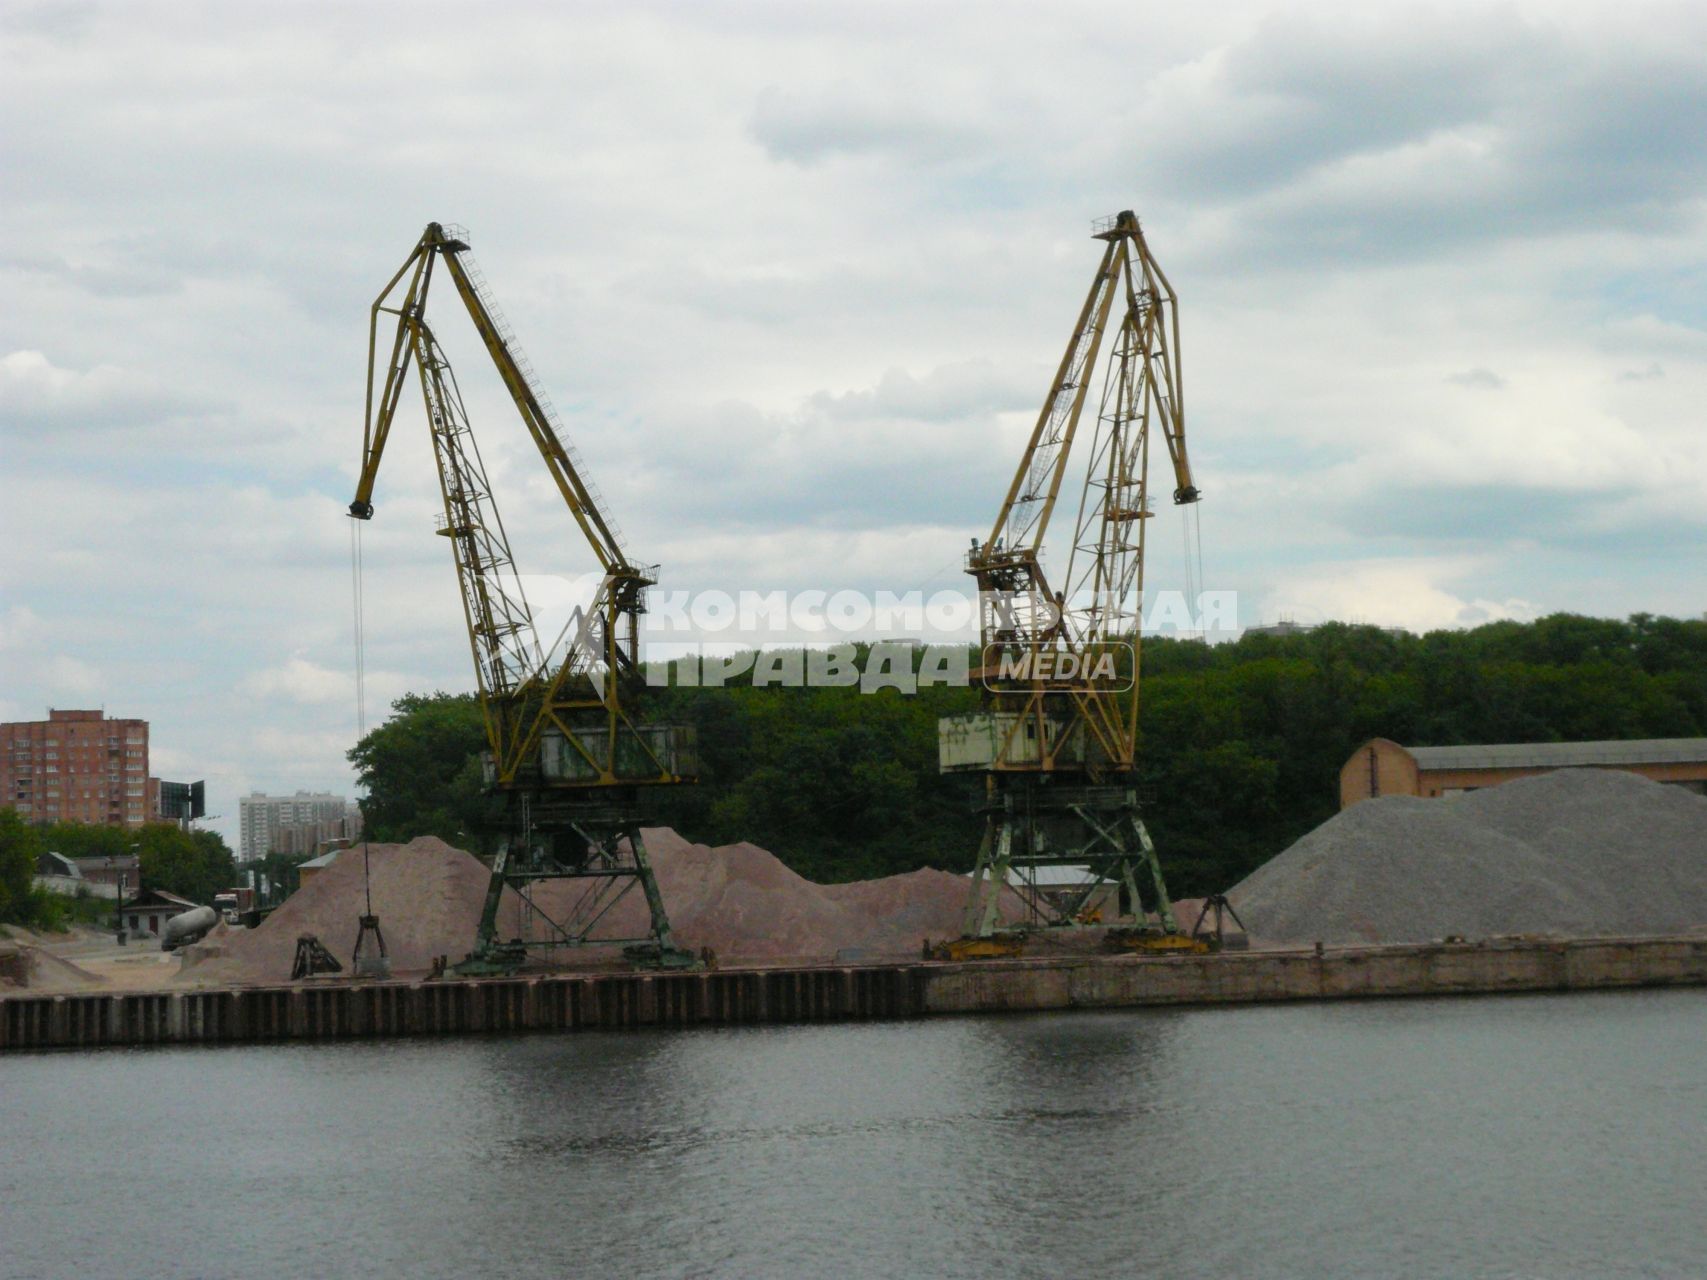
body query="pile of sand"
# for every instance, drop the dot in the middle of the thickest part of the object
(743, 903)
(24, 967)
(738, 900)
(426, 894)
(1578, 852)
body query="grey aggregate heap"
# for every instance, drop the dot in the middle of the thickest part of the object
(1574, 853)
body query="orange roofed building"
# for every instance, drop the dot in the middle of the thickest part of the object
(1384, 768)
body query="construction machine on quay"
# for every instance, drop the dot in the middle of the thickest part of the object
(568, 750)
(1055, 742)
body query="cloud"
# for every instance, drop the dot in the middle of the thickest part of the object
(37, 395)
(806, 126)
(1392, 136)
(20, 626)
(65, 675)
(1304, 91)
(59, 20)
(299, 680)
(103, 279)
(36, 656)
(1408, 593)
(1478, 378)
(909, 449)
(1474, 513)
(945, 393)
(1653, 371)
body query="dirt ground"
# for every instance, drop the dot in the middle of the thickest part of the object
(87, 959)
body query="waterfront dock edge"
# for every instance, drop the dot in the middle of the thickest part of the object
(831, 993)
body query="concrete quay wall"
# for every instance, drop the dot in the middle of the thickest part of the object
(1333, 973)
(566, 1002)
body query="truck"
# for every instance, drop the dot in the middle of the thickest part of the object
(234, 904)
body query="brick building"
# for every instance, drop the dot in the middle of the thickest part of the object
(78, 766)
(1384, 768)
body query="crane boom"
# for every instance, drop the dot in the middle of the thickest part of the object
(566, 750)
(437, 243)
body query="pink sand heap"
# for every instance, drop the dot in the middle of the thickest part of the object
(738, 900)
(426, 894)
(743, 903)
(33, 968)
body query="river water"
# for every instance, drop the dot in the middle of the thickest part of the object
(1499, 1137)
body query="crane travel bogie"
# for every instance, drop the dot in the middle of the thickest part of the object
(1057, 738)
(567, 749)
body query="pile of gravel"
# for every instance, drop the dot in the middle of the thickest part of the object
(1574, 853)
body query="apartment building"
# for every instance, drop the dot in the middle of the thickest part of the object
(78, 766)
(294, 823)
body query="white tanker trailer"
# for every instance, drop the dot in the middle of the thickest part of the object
(187, 927)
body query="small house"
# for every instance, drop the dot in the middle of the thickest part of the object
(149, 911)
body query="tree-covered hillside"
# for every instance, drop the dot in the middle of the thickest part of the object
(1241, 750)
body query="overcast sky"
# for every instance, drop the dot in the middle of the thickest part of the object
(797, 277)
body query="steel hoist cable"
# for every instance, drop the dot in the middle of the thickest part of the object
(361, 677)
(1191, 530)
(360, 638)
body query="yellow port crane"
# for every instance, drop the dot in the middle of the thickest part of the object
(567, 751)
(1056, 739)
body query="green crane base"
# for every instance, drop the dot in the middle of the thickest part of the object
(598, 848)
(1032, 825)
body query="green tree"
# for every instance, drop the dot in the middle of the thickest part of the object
(86, 840)
(20, 846)
(283, 872)
(421, 770)
(192, 864)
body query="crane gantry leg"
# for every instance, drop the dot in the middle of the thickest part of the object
(1093, 832)
(601, 855)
